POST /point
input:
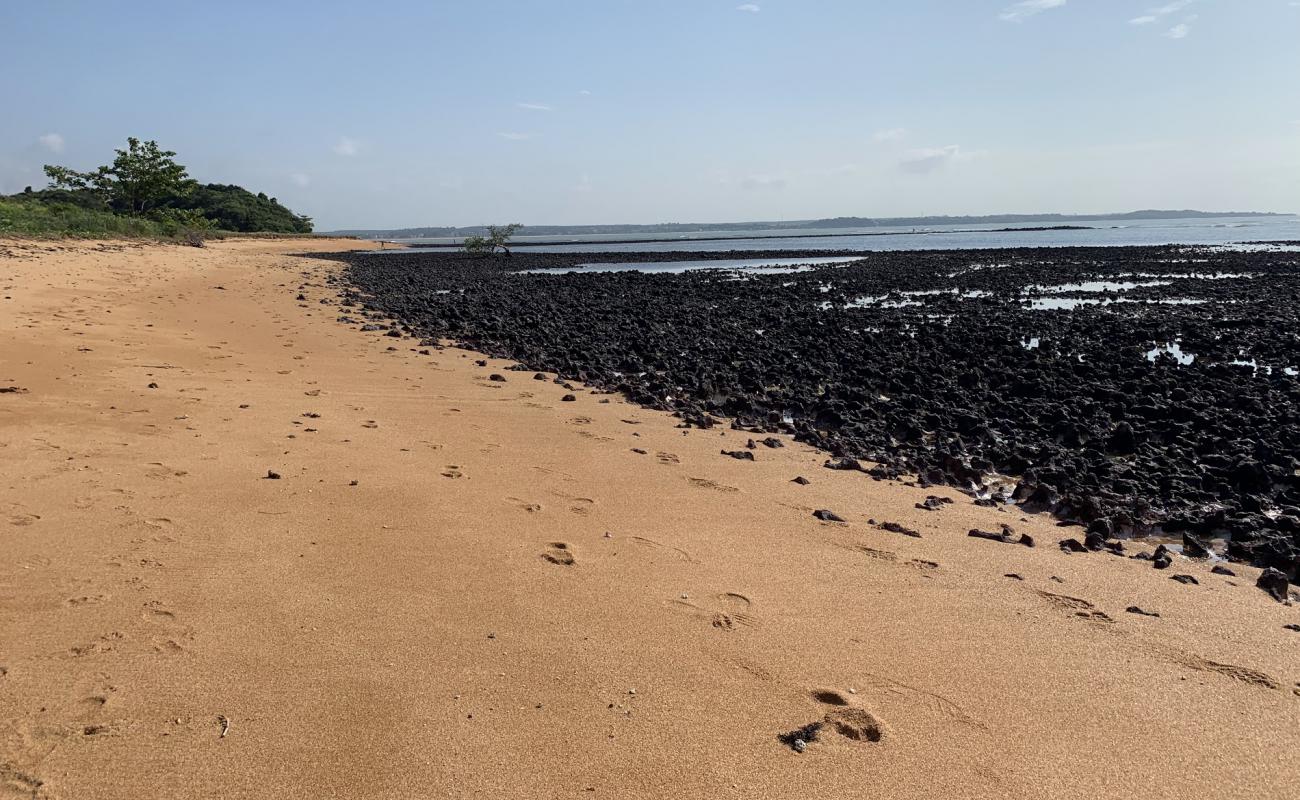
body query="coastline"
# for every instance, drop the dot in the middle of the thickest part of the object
(420, 634)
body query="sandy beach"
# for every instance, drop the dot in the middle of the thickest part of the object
(467, 587)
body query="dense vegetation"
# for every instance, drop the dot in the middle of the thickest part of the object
(144, 192)
(19, 217)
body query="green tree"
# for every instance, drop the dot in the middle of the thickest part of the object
(140, 177)
(498, 236)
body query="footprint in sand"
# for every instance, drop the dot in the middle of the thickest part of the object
(559, 553)
(727, 612)
(578, 505)
(1244, 674)
(705, 483)
(531, 508)
(1081, 608)
(668, 458)
(174, 636)
(892, 558)
(677, 552)
(846, 718)
(452, 471)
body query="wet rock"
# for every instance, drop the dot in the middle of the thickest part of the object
(828, 516)
(1194, 547)
(1275, 583)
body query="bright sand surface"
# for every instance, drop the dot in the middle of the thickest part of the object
(511, 601)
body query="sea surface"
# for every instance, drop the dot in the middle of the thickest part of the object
(1105, 233)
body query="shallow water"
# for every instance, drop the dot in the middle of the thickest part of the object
(1093, 286)
(1174, 349)
(1212, 231)
(1071, 303)
(764, 266)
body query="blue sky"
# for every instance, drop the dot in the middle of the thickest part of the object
(400, 113)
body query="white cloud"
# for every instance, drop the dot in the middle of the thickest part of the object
(771, 182)
(584, 92)
(534, 106)
(1155, 14)
(347, 147)
(1028, 8)
(889, 135)
(52, 142)
(515, 137)
(929, 159)
(752, 8)
(300, 179)
(1179, 31)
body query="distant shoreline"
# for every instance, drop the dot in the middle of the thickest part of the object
(557, 242)
(757, 226)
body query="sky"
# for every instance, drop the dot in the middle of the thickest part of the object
(401, 113)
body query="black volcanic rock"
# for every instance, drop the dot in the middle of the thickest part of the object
(1099, 423)
(1275, 583)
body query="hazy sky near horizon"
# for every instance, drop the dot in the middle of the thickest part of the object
(397, 113)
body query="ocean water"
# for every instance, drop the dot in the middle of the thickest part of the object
(1106, 233)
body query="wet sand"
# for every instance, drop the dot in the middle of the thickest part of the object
(511, 601)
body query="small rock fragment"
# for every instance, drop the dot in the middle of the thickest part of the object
(1140, 612)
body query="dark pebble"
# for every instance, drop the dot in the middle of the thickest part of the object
(1136, 610)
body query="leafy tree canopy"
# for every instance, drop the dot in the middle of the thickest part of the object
(145, 180)
(139, 178)
(498, 236)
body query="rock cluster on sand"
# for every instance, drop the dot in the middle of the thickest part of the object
(944, 365)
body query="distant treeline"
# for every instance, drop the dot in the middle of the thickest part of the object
(836, 222)
(225, 206)
(148, 191)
